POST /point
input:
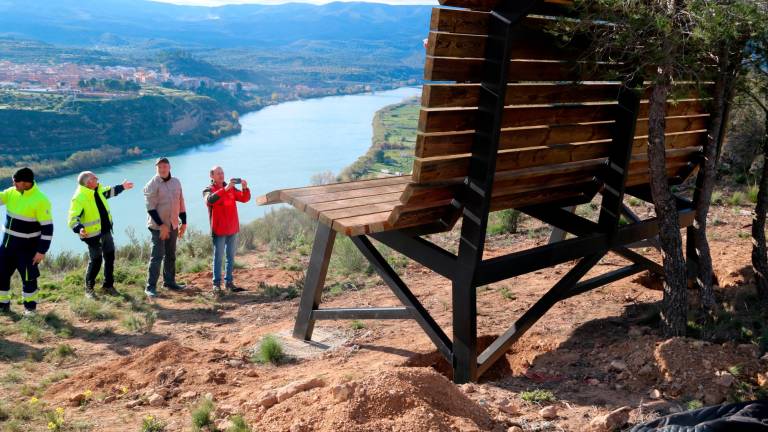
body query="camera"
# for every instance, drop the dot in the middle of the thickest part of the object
(237, 180)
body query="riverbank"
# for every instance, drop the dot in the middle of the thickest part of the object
(392, 145)
(107, 155)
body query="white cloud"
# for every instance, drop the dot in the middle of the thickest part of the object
(272, 2)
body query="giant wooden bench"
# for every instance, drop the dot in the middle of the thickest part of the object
(509, 119)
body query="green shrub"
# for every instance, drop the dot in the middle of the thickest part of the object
(737, 199)
(137, 323)
(538, 396)
(347, 259)
(60, 353)
(152, 424)
(31, 328)
(506, 221)
(238, 424)
(717, 197)
(357, 325)
(91, 309)
(202, 414)
(270, 350)
(752, 192)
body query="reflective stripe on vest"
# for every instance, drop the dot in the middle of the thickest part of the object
(21, 235)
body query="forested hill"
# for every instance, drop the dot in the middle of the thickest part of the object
(56, 136)
(129, 22)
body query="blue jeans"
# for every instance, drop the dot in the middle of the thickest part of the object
(220, 243)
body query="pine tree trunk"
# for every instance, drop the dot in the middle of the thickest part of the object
(702, 197)
(759, 249)
(675, 303)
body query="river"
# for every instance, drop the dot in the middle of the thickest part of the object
(280, 146)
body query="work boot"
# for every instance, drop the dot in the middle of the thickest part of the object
(90, 292)
(233, 288)
(173, 286)
(110, 291)
(216, 292)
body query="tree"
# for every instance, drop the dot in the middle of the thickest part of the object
(724, 29)
(759, 69)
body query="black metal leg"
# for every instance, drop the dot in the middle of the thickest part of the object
(556, 293)
(406, 297)
(464, 330)
(314, 282)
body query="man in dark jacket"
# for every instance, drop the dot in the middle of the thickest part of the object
(222, 197)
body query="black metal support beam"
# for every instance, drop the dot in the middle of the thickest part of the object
(603, 279)
(406, 297)
(497, 349)
(422, 251)
(314, 282)
(615, 172)
(505, 267)
(362, 313)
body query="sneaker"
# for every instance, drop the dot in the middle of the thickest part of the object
(233, 288)
(90, 293)
(29, 313)
(174, 286)
(150, 293)
(217, 292)
(111, 291)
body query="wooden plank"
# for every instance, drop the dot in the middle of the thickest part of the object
(468, 95)
(441, 144)
(487, 5)
(470, 70)
(359, 225)
(347, 194)
(463, 119)
(277, 196)
(354, 202)
(433, 169)
(328, 217)
(532, 43)
(459, 21)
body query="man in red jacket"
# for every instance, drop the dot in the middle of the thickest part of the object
(221, 197)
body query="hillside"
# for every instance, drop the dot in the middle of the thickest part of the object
(55, 135)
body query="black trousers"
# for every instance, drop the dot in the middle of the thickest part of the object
(101, 249)
(11, 261)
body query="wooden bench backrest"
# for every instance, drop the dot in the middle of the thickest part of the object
(557, 126)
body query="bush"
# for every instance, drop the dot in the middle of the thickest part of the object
(752, 193)
(60, 353)
(347, 259)
(737, 199)
(91, 309)
(270, 351)
(537, 396)
(136, 323)
(506, 221)
(281, 229)
(152, 424)
(238, 424)
(202, 414)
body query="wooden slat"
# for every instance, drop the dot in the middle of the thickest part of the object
(470, 70)
(528, 43)
(359, 225)
(463, 119)
(459, 21)
(328, 217)
(277, 196)
(426, 170)
(487, 5)
(343, 195)
(434, 145)
(467, 95)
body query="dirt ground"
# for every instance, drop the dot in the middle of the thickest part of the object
(595, 353)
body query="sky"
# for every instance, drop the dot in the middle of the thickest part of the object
(224, 2)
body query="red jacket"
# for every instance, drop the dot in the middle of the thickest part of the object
(222, 208)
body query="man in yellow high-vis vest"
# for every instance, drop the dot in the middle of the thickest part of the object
(27, 235)
(90, 218)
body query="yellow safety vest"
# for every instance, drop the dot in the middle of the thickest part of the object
(84, 211)
(28, 220)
